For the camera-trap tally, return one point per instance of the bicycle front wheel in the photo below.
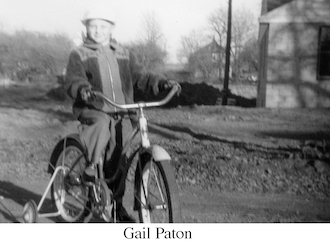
(157, 194)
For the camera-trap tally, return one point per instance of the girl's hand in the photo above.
(170, 84)
(87, 95)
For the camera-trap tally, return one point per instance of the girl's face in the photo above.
(99, 31)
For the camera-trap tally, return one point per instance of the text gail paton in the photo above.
(156, 233)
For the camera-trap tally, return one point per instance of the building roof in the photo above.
(299, 11)
(269, 5)
(272, 4)
(212, 47)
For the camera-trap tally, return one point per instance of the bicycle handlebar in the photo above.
(140, 104)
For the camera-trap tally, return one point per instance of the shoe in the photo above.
(89, 173)
(122, 215)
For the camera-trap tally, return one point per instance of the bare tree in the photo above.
(152, 31)
(250, 54)
(151, 48)
(190, 44)
(29, 53)
(218, 22)
(244, 26)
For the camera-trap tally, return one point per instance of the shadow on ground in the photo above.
(20, 196)
(298, 135)
(156, 129)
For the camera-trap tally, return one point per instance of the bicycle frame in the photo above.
(145, 147)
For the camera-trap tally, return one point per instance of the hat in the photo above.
(99, 12)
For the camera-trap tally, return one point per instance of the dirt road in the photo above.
(232, 164)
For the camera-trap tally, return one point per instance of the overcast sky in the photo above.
(176, 17)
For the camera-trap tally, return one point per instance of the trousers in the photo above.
(98, 130)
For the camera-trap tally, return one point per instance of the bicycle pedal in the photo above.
(73, 180)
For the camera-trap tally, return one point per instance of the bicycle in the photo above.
(155, 191)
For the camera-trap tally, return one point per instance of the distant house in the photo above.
(208, 61)
(294, 66)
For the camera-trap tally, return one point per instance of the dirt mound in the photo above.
(191, 94)
(196, 94)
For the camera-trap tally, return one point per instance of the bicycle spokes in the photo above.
(153, 201)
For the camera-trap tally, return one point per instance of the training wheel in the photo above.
(30, 212)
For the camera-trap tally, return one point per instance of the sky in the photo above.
(176, 18)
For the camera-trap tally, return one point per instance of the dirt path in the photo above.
(232, 164)
(197, 206)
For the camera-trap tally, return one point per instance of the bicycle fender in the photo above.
(159, 153)
(58, 149)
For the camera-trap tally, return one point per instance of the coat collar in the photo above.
(94, 46)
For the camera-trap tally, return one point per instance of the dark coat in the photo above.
(83, 71)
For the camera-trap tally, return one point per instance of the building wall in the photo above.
(291, 77)
(262, 74)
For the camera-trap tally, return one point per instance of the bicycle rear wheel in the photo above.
(157, 194)
(68, 193)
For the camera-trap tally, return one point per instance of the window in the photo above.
(215, 57)
(323, 70)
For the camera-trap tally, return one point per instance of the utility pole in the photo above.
(227, 65)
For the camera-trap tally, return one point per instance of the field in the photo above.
(232, 164)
